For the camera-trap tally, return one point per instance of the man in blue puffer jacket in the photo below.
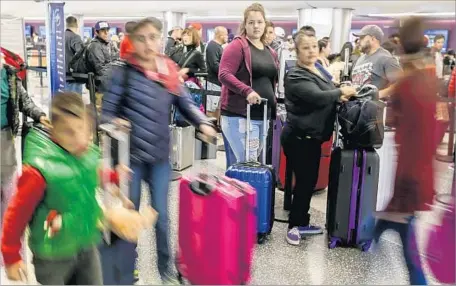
(141, 93)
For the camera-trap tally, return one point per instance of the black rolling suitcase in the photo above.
(352, 196)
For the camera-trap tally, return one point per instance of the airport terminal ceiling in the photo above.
(215, 10)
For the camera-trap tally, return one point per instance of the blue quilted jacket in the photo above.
(146, 104)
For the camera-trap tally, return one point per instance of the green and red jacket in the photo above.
(53, 179)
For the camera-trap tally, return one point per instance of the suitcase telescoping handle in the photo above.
(336, 142)
(264, 101)
(122, 135)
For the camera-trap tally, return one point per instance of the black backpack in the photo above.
(78, 63)
(361, 119)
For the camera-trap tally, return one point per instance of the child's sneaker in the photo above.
(135, 276)
(293, 236)
(310, 230)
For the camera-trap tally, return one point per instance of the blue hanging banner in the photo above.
(56, 32)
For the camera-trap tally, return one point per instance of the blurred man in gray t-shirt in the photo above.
(376, 66)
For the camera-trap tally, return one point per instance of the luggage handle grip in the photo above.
(229, 181)
(252, 164)
(265, 131)
(201, 188)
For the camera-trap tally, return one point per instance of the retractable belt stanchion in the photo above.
(91, 86)
(204, 94)
(448, 158)
(40, 62)
(23, 128)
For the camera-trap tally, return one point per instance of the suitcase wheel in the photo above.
(333, 242)
(261, 238)
(365, 246)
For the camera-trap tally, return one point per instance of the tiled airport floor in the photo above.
(311, 263)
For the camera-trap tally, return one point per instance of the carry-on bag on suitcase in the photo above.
(352, 196)
(261, 177)
(217, 230)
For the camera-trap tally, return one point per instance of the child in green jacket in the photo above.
(56, 198)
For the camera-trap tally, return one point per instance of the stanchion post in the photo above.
(40, 63)
(91, 86)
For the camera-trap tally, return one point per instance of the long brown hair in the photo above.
(255, 7)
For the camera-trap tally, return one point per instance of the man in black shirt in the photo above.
(73, 44)
(214, 52)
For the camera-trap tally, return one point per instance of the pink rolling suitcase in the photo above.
(217, 230)
(440, 250)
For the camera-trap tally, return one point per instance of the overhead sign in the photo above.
(56, 32)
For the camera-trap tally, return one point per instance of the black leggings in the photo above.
(303, 155)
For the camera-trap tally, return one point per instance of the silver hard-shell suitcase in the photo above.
(182, 147)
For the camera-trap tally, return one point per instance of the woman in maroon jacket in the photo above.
(248, 72)
(414, 106)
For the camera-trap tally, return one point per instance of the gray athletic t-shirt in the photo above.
(380, 69)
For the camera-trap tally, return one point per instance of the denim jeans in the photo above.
(230, 158)
(118, 262)
(409, 246)
(234, 130)
(156, 177)
(74, 87)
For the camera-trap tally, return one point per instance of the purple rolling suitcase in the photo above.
(278, 125)
(352, 197)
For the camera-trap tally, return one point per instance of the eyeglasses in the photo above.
(150, 37)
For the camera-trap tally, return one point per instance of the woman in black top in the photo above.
(310, 100)
(192, 59)
(264, 73)
(248, 72)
